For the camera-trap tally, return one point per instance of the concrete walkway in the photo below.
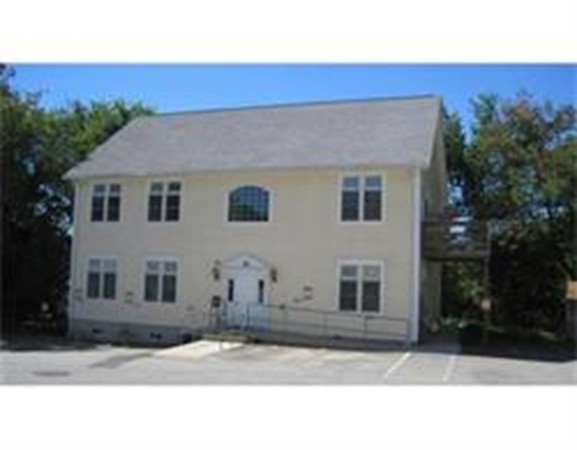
(197, 350)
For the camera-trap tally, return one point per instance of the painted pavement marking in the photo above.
(450, 368)
(397, 364)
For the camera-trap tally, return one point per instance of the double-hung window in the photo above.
(101, 278)
(160, 280)
(164, 201)
(361, 198)
(360, 287)
(105, 203)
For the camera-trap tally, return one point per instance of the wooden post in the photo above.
(486, 302)
(571, 308)
(486, 307)
(285, 319)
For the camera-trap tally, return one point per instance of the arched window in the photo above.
(248, 204)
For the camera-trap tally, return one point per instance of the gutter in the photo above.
(415, 305)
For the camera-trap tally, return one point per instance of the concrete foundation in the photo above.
(129, 333)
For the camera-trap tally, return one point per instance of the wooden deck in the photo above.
(454, 240)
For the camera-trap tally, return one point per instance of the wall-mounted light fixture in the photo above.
(307, 293)
(216, 270)
(273, 274)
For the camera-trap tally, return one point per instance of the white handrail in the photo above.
(262, 318)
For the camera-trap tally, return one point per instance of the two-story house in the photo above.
(295, 218)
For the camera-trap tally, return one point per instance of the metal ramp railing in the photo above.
(285, 320)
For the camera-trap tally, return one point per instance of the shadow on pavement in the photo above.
(448, 344)
(545, 353)
(500, 348)
(27, 342)
(517, 344)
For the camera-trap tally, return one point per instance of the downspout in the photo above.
(416, 304)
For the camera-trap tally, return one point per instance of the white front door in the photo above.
(245, 299)
(245, 291)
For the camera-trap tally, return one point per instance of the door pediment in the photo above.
(245, 261)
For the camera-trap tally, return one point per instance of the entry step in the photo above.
(227, 336)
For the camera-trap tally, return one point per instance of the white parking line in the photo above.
(450, 368)
(397, 364)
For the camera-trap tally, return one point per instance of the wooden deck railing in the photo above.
(455, 239)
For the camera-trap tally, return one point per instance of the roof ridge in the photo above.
(294, 105)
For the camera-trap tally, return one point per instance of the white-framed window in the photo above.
(230, 289)
(164, 201)
(101, 278)
(360, 286)
(160, 280)
(248, 204)
(361, 198)
(105, 203)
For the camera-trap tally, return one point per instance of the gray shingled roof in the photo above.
(333, 134)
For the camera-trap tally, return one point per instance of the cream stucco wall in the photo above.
(304, 241)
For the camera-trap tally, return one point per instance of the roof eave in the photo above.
(73, 174)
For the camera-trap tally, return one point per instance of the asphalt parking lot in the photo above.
(217, 363)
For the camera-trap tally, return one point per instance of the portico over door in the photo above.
(246, 290)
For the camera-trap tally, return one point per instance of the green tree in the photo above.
(519, 172)
(462, 281)
(38, 147)
(455, 145)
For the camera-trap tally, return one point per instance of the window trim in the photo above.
(362, 175)
(101, 282)
(249, 223)
(106, 196)
(359, 263)
(162, 260)
(165, 182)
